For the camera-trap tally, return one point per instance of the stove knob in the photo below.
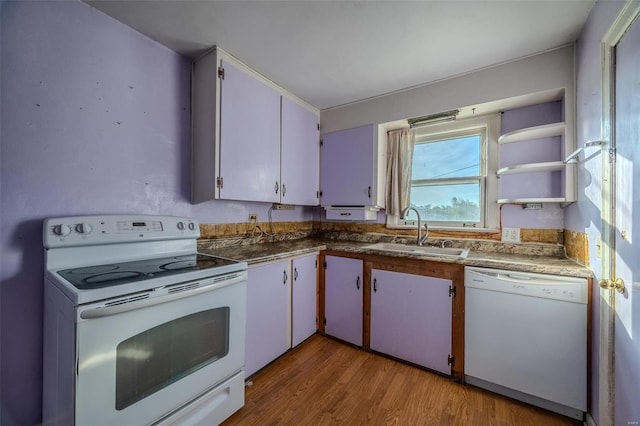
(192, 226)
(83, 228)
(181, 226)
(61, 230)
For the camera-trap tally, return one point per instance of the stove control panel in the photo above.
(112, 229)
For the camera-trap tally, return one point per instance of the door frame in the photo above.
(606, 373)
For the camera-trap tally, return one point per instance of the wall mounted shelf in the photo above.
(531, 200)
(550, 166)
(535, 170)
(559, 200)
(536, 132)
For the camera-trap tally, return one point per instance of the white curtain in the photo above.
(399, 159)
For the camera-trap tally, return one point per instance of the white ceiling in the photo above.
(331, 53)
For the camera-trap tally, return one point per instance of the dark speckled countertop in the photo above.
(540, 258)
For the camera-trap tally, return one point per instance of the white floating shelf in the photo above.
(532, 168)
(537, 132)
(531, 200)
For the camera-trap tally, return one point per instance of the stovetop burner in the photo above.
(99, 276)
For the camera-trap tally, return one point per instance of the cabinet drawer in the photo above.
(356, 213)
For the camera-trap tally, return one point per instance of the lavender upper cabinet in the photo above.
(249, 136)
(268, 314)
(343, 299)
(411, 318)
(304, 300)
(534, 143)
(351, 168)
(300, 167)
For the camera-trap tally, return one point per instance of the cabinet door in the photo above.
(249, 138)
(304, 311)
(347, 167)
(300, 157)
(268, 315)
(411, 318)
(343, 299)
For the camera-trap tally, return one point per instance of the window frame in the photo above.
(489, 127)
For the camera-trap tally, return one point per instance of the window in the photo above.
(453, 183)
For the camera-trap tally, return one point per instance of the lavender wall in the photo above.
(584, 215)
(533, 74)
(96, 119)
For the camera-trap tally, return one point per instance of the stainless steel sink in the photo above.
(421, 250)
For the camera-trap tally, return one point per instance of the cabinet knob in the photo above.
(375, 286)
(284, 277)
(277, 187)
(284, 190)
(295, 274)
(358, 283)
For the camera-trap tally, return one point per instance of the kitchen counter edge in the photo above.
(259, 253)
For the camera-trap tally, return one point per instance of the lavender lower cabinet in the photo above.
(268, 314)
(343, 299)
(303, 295)
(411, 318)
(281, 309)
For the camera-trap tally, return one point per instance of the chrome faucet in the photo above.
(443, 243)
(421, 238)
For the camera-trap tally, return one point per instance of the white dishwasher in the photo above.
(526, 337)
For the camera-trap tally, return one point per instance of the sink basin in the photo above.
(422, 250)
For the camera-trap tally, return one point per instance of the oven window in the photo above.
(153, 359)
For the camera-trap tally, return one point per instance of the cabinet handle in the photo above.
(284, 190)
(295, 274)
(284, 278)
(277, 187)
(369, 192)
(375, 288)
(358, 283)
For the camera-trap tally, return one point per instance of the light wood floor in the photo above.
(324, 382)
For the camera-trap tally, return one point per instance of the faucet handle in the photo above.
(443, 243)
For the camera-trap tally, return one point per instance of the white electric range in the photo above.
(139, 327)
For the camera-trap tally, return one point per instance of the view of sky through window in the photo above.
(446, 159)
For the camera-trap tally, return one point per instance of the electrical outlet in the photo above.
(511, 235)
(598, 247)
(278, 206)
(253, 217)
(532, 206)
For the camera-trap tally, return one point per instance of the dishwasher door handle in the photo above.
(518, 277)
(510, 276)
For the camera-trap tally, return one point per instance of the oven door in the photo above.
(143, 356)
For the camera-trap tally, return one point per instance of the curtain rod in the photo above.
(433, 118)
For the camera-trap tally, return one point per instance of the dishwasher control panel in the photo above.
(569, 289)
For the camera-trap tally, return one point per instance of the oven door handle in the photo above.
(142, 300)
